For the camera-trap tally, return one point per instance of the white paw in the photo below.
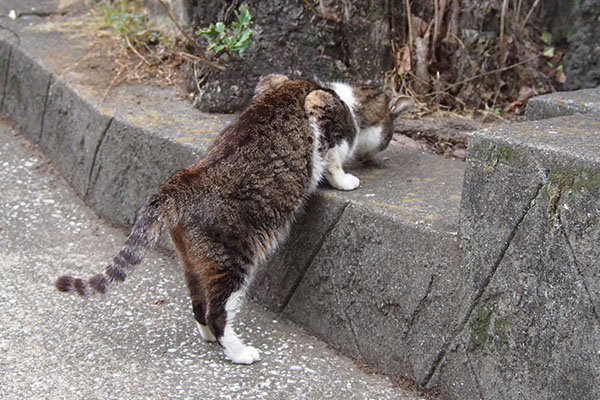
(345, 182)
(205, 333)
(243, 355)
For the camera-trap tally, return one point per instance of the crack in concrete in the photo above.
(354, 335)
(475, 377)
(96, 151)
(418, 309)
(479, 293)
(5, 80)
(563, 231)
(14, 33)
(312, 257)
(45, 108)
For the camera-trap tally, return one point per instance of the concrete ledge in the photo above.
(25, 90)
(563, 103)
(386, 249)
(486, 288)
(530, 230)
(378, 289)
(370, 271)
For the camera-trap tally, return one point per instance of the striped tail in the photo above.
(157, 214)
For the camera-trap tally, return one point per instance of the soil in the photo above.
(114, 62)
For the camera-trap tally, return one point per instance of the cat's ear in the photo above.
(269, 82)
(400, 104)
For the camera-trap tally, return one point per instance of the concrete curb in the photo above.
(116, 151)
(531, 328)
(563, 103)
(486, 289)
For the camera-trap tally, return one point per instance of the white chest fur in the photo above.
(368, 142)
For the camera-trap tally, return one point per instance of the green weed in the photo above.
(229, 40)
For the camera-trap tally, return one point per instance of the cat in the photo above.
(230, 210)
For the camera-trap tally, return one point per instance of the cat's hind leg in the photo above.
(193, 277)
(199, 306)
(226, 294)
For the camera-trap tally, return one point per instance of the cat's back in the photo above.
(261, 164)
(269, 141)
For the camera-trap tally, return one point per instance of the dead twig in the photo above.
(436, 20)
(137, 53)
(201, 55)
(114, 79)
(501, 40)
(410, 28)
(509, 67)
(323, 13)
(77, 63)
(422, 58)
(310, 6)
(528, 16)
(326, 14)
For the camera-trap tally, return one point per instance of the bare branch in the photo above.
(492, 72)
(528, 15)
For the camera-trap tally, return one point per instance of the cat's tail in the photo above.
(158, 213)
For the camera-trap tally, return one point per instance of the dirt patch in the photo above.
(108, 60)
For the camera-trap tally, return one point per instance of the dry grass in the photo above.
(446, 68)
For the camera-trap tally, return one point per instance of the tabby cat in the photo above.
(229, 210)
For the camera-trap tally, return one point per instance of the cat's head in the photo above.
(374, 110)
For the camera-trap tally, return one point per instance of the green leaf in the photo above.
(245, 36)
(548, 52)
(243, 16)
(546, 37)
(234, 38)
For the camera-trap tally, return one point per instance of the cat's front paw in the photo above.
(345, 182)
(245, 355)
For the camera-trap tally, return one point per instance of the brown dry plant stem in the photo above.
(201, 55)
(410, 27)
(509, 67)
(137, 53)
(114, 80)
(535, 4)
(502, 40)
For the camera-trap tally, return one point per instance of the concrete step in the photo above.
(529, 228)
(560, 104)
(369, 270)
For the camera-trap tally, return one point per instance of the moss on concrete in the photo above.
(501, 326)
(502, 154)
(480, 325)
(499, 153)
(564, 180)
(15, 86)
(574, 179)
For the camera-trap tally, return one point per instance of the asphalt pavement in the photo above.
(140, 340)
